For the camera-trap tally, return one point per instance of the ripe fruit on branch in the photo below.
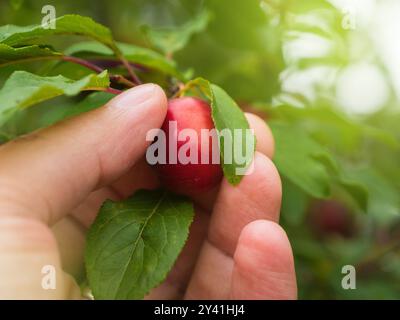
(331, 218)
(191, 146)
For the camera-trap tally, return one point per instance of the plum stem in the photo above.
(181, 90)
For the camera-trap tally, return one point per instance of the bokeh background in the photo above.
(325, 75)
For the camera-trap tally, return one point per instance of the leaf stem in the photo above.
(82, 62)
(130, 70)
(117, 78)
(31, 59)
(121, 79)
(109, 90)
(118, 53)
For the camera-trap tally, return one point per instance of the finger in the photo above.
(46, 174)
(263, 264)
(71, 242)
(212, 275)
(140, 176)
(265, 145)
(265, 140)
(258, 196)
(214, 262)
(70, 231)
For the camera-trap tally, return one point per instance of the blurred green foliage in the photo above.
(323, 154)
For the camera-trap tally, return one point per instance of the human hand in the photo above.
(53, 181)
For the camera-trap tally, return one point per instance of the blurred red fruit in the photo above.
(331, 218)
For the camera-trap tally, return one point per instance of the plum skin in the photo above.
(330, 217)
(192, 178)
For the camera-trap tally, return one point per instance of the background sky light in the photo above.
(361, 87)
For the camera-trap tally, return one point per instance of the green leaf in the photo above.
(332, 127)
(9, 54)
(69, 24)
(302, 160)
(46, 114)
(229, 118)
(227, 115)
(307, 6)
(92, 101)
(134, 54)
(199, 83)
(170, 40)
(383, 196)
(133, 244)
(24, 89)
(16, 4)
(4, 137)
(294, 203)
(311, 167)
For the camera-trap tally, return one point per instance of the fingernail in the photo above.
(133, 97)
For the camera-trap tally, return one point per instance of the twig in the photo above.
(131, 72)
(118, 53)
(31, 59)
(108, 89)
(378, 253)
(83, 62)
(114, 77)
(118, 78)
(121, 79)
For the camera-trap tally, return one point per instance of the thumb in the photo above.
(49, 172)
